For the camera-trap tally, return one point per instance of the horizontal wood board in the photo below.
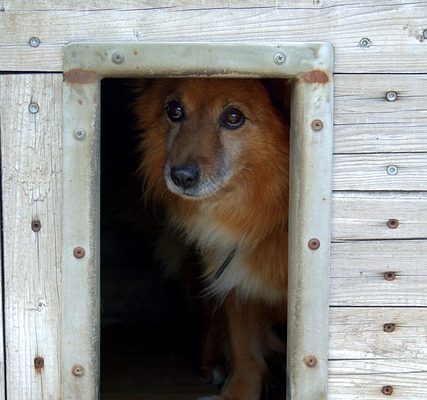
(32, 191)
(394, 28)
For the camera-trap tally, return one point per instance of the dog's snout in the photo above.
(185, 176)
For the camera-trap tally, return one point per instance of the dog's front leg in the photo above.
(246, 326)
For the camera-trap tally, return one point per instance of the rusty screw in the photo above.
(279, 58)
(34, 41)
(365, 42)
(393, 223)
(317, 125)
(387, 390)
(78, 370)
(38, 363)
(310, 361)
(36, 225)
(390, 276)
(314, 244)
(79, 252)
(389, 327)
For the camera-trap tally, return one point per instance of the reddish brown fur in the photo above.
(250, 210)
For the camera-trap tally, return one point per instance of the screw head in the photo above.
(393, 223)
(279, 58)
(317, 125)
(391, 96)
(79, 252)
(389, 327)
(36, 225)
(79, 134)
(310, 361)
(392, 170)
(365, 42)
(387, 390)
(33, 108)
(390, 276)
(38, 363)
(78, 370)
(425, 34)
(117, 58)
(314, 244)
(34, 41)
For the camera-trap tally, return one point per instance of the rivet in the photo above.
(79, 134)
(391, 96)
(78, 370)
(389, 327)
(365, 42)
(392, 170)
(117, 58)
(425, 33)
(38, 363)
(34, 41)
(279, 58)
(387, 390)
(393, 223)
(310, 361)
(314, 244)
(317, 125)
(36, 225)
(79, 252)
(33, 108)
(389, 276)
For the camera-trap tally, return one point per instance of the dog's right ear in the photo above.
(280, 94)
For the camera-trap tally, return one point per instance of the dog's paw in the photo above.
(215, 376)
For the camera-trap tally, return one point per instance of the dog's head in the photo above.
(200, 135)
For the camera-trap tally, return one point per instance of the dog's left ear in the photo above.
(280, 94)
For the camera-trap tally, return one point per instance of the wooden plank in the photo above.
(395, 29)
(2, 358)
(364, 215)
(368, 172)
(365, 122)
(31, 183)
(358, 333)
(364, 379)
(358, 268)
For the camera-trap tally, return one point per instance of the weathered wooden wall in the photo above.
(371, 134)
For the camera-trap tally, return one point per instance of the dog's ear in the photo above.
(280, 94)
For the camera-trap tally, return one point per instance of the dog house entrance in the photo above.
(309, 65)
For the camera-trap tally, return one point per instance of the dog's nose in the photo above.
(185, 176)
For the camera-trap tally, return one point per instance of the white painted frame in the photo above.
(310, 65)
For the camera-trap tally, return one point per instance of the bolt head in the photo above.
(38, 363)
(117, 58)
(310, 361)
(393, 223)
(389, 327)
(365, 42)
(314, 244)
(387, 390)
(79, 134)
(392, 170)
(317, 125)
(36, 225)
(279, 58)
(34, 41)
(79, 252)
(391, 96)
(33, 108)
(390, 276)
(78, 370)
(425, 34)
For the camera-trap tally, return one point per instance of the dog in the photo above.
(215, 156)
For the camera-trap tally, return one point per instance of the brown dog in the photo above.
(215, 156)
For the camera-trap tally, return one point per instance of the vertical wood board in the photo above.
(31, 182)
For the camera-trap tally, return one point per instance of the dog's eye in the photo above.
(233, 118)
(175, 111)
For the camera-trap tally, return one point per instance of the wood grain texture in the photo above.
(364, 215)
(31, 183)
(364, 379)
(358, 333)
(358, 268)
(394, 28)
(365, 122)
